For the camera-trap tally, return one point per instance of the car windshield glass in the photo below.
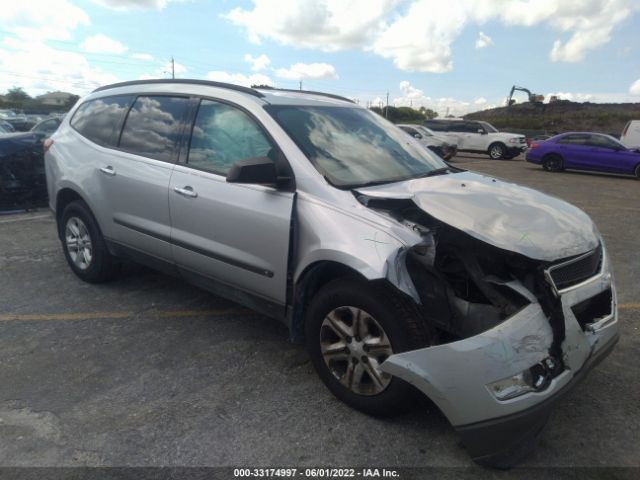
(425, 132)
(489, 128)
(353, 147)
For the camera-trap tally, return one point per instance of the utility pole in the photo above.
(173, 68)
(386, 110)
(300, 84)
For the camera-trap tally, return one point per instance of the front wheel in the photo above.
(637, 172)
(497, 151)
(352, 327)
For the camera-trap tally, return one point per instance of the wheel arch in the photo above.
(310, 281)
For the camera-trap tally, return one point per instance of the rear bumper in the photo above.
(499, 438)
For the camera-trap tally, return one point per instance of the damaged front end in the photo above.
(513, 331)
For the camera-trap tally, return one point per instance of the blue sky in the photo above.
(461, 55)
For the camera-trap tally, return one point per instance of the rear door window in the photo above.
(223, 134)
(154, 125)
(574, 139)
(99, 119)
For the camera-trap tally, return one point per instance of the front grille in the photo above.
(576, 270)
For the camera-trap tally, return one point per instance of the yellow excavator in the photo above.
(533, 97)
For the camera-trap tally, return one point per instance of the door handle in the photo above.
(109, 170)
(185, 191)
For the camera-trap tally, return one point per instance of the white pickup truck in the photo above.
(479, 137)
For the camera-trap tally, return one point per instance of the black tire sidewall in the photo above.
(101, 266)
(551, 157)
(359, 294)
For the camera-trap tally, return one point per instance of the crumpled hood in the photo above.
(500, 213)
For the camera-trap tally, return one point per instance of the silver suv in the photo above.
(401, 273)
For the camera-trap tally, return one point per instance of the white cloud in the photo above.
(240, 79)
(573, 97)
(100, 43)
(480, 101)
(634, 89)
(417, 36)
(326, 24)
(22, 64)
(178, 68)
(308, 71)
(41, 19)
(142, 56)
(414, 97)
(134, 4)
(257, 63)
(483, 40)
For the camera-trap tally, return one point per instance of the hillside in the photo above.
(561, 116)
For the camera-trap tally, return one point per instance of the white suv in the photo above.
(479, 137)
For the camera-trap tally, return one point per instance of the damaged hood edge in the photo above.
(503, 214)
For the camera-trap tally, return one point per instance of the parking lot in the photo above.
(151, 371)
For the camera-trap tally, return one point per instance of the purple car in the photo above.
(585, 151)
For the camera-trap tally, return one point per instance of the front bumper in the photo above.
(516, 150)
(455, 376)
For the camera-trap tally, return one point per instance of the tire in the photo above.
(497, 151)
(90, 261)
(637, 172)
(387, 319)
(552, 163)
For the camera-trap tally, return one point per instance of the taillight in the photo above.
(46, 145)
(626, 127)
(534, 145)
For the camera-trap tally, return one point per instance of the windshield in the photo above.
(353, 147)
(424, 131)
(489, 128)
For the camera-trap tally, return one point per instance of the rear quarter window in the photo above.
(99, 119)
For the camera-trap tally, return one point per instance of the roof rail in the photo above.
(208, 83)
(310, 92)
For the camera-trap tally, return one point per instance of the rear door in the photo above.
(574, 150)
(236, 235)
(135, 176)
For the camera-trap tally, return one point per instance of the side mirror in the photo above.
(417, 135)
(482, 131)
(258, 170)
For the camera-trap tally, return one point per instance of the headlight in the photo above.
(514, 140)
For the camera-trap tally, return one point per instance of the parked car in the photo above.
(17, 120)
(479, 137)
(22, 176)
(6, 127)
(426, 137)
(631, 134)
(396, 269)
(45, 128)
(585, 151)
(537, 139)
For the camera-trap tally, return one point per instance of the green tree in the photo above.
(17, 94)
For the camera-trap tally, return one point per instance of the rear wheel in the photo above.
(637, 172)
(83, 245)
(352, 327)
(552, 163)
(497, 151)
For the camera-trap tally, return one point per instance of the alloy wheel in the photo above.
(353, 345)
(78, 243)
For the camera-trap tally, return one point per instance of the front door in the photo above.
(237, 235)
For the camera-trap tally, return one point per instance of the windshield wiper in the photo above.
(437, 171)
